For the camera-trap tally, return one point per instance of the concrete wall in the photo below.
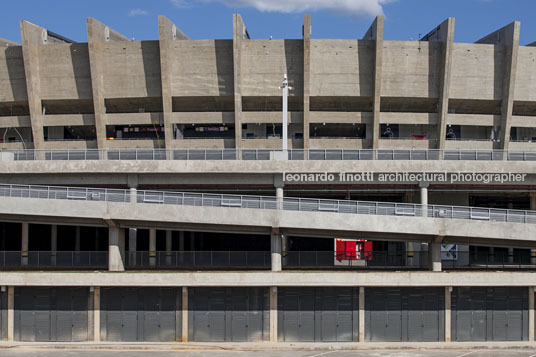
(525, 89)
(12, 77)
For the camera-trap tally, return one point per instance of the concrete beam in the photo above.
(507, 36)
(375, 33)
(306, 78)
(268, 279)
(444, 33)
(239, 34)
(98, 34)
(167, 33)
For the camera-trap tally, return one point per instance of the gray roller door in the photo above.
(228, 314)
(489, 314)
(140, 314)
(404, 314)
(318, 314)
(51, 314)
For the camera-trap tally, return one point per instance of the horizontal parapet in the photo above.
(265, 62)
(339, 143)
(69, 119)
(202, 118)
(468, 145)
(69, 145)
(134, 144)
(473, 119)
(477, 71)
(271, 143)
(12, 75)
(341, 117)
(64, 71)
(203, 143)
(408, 118)
(524, 121)
(525, 88)
(134, 118)
(130, 69)
(271, 117)
(202, 68)
(411, 69)
(406, 144)
(342, 67)
(20, 121)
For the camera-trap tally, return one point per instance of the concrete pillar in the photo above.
(181, 248)
(434, 256)
(239, 34)
(77, 244)
(510, 255)
(448, 314)
(167, 34)
(361, 314)
(423, 188)
(375, 33)
(24, 244)
(169, 253)
(116, 249)
(531, 313)
(97, 36)
(152, 247)
(279, 194)
(96, 314)
(132, 246)
(10, 313)
(276, 242)
(192, 241)
(533, 208)
(133, 194)
(184, 314)
(306, 78)
(273, 314)
(491, 257)
(53, 243)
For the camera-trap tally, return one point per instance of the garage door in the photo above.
(318, 314)
(228, 314)
(51, 314)
(404, 314)
(489, 314)
(140, 314)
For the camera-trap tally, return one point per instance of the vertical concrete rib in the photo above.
(444, 33)
(306, 77)
(361, 314)
(96, 314)
(10, 313)
(97, 36)
(32, 36)
(167, 33)
(184, 314)
(375, 33)
(507, 36)
(239, 33)
(273, 314)
(448, 314)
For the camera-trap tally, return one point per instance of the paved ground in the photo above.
(19, 352)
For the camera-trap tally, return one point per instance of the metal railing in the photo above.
(54, 260)
(269, 202)
(198, 260)
(266, 154)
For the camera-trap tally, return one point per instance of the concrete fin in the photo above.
(441, 32)
(167, 30)
(99, 32)
(503, 36)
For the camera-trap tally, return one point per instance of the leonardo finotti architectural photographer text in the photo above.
(405, 177)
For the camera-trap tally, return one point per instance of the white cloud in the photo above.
(351, 7)
(180, 3)
(138, 12)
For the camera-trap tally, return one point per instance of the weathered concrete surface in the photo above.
(261, 221)
(268, 278)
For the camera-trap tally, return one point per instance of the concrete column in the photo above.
(423, 188)
(448, 313)
(375, 33)
(491, 257)
(273, 314)
(167, 33)
(239, 34)
(507, 36)
(276, 242)
(361, 314)
(10, 313)
(533, 208)
(184, 314)
(96, 314)
(192, 241)
(53, 243)
(181, 247)
(279, 197)
(116, 249)
(152, 247)
(444, 34)
(133, 194)
(510, 258)
(434, 256)
(77, 244)
(132, 246)
(169, 253)
(306, 78)
(531, 313)
(98, 34)
(24, 244)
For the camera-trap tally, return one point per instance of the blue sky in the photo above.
(204, 19)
